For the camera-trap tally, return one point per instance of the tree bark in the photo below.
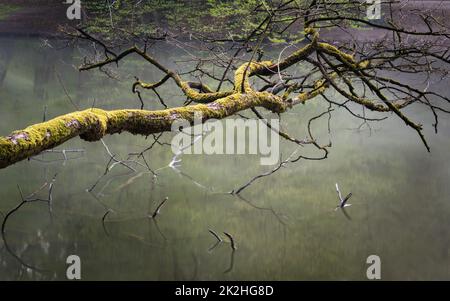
(93, 124)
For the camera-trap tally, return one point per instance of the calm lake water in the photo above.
(285, 227)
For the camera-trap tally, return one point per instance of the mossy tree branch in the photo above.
(335, 67)
(93, 124)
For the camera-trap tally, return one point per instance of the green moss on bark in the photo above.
(93, 124)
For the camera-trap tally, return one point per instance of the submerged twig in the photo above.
(25, 200)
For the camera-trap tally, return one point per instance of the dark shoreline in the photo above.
(42, 18)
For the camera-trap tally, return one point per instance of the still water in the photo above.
(285, 226)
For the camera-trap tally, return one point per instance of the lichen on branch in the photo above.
(93, 124)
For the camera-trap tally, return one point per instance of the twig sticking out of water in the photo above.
(233, 245)
(158, 209)
(215, 235)
(342, 201)
(104, 219)
(268, 173)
